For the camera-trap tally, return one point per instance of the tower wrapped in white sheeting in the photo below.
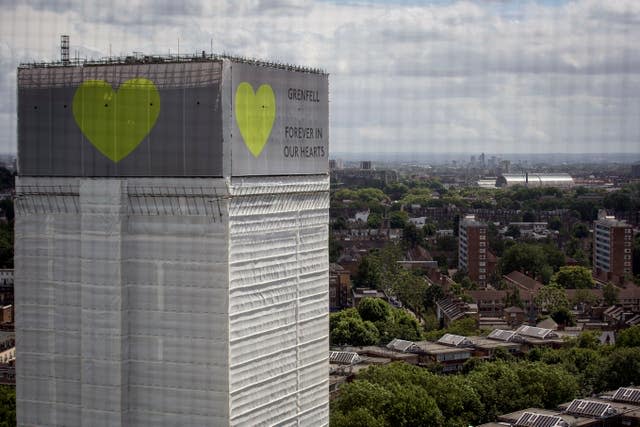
(173, 286)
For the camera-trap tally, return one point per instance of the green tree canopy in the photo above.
(398, 219)
(574, 277)
(347, 327)
(374, 309)
(629, 337)
(552, 298)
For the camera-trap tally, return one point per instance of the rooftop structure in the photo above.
(535, 332)
(590, 408)
(400, 345)
(533, 179)
(455, 340)
(502, 335)
(171, 243)
(344, 357)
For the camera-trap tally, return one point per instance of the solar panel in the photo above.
(535, 332)
(400, 345)
(454, 340)
(501, 335)
(529, 419)
(590, 408)
(344, 357)
(626, 394)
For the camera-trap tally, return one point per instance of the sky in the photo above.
(405, 76)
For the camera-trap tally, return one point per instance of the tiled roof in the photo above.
(523, 280)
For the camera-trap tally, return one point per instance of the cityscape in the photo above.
(320, 213)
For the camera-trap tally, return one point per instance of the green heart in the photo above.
(116, 123)
(255, 113)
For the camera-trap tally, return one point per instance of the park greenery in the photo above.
(400, 394)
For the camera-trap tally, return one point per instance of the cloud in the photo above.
(447, 76)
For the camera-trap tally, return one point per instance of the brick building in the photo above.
(612, 248)
(473, 248)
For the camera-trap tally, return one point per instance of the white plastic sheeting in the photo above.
(278, 301)
(164, 302)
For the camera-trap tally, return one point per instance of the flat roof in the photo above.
(139, 58)
(430, 347)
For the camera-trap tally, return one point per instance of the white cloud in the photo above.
(466, 76)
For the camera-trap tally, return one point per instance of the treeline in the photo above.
(399, 394)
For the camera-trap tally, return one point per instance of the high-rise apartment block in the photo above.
(612, 248)
(473, 248)
(171, 244)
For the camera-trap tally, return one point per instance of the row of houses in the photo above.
(450, 352)
(620, 407)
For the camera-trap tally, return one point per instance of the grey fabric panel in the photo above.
(285, 153)
(186, 139)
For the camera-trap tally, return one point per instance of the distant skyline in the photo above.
(405, 76)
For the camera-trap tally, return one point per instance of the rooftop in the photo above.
(139, 59)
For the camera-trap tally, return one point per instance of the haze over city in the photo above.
(405, 77)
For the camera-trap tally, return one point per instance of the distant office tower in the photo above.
(472, 249)
(171, 244)
(612, 248)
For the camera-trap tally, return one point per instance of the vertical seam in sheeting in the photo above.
(298, 224)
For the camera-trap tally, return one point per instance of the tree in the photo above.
(610, 294)
(622, 367)
(412, 236)
(629, 337)
(410, 289)
(374, 220)
(396, 190)
(446, 243)
(7, 406)
(359, 417)
(429, 229)
(583, 297)
(433, 293)
(369, 271)
(563, 316)
(398, 219)
(523, 257)
(574, 277)
(6, 245)
(335, 248)
(347, 327)
(353, 331)
(551, 298)
(513, 231)
(374, 309)
(555, 223)
(580, 231)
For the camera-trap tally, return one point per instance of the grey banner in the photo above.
(61, 132)
(280, 121)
